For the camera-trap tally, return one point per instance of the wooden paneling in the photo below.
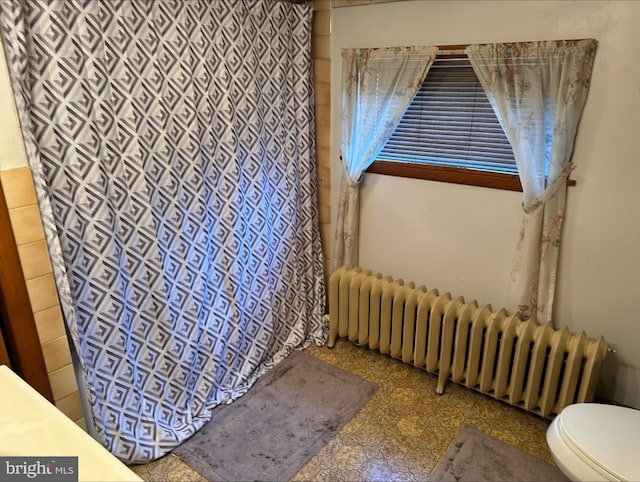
(16, 317)
(4, 356)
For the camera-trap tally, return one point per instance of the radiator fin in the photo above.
(531, 366)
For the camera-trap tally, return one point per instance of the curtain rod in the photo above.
(343, 3)
(456, 52)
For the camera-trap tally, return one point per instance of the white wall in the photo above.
(12, 153)
(461, 239)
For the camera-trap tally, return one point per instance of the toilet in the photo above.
(592, 441)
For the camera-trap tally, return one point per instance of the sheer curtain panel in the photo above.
(172, 148)
(377, 87)
(538, 91)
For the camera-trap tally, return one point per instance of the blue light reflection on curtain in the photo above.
(172, 148)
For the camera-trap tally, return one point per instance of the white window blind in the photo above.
(451, 123)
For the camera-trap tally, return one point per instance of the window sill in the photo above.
(455, 175)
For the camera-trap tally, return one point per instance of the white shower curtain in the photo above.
(172, 147)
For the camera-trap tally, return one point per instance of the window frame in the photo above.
(453, 175)
(450, 174)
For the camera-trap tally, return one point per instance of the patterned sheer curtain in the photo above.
(172, 148)
(377, 87)
(538, 90)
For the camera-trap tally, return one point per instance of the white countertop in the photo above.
(30, 426)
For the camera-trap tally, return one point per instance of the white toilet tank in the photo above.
(591, 441)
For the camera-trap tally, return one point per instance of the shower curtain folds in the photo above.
(172, 148)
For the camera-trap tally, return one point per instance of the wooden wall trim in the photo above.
(455, 175)
(16, 317)
(4, 355)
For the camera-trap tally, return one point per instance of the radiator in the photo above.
(535, 367)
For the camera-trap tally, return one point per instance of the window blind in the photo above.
(450, 122)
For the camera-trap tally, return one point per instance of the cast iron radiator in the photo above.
(535, 367)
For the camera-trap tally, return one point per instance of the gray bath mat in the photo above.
(279, 424)
(476, 456)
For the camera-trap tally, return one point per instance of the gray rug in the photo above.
(476, 456)
(279, 424)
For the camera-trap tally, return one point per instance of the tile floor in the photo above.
(401, 433)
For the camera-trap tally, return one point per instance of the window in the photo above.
(450, 132)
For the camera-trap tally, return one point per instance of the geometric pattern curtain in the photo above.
(538, 91)
(172, 147)
(378, 85)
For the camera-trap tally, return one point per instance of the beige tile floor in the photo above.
(402, 432)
